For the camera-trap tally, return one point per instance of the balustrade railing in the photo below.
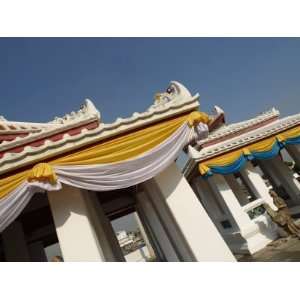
(255, 208)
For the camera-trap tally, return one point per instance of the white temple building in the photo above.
(234, 198)
(65, 181)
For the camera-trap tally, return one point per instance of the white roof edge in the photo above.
(195, 155)
(247, 138)
(156, 113)
(235, 127)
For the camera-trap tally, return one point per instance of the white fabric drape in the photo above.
(12, 205)
(102, 177)
(121, 175)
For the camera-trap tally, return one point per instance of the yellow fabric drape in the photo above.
(203, 169)
(132, 145)
(262, 146)
(289, 134)
(220, 161)
(229, 158)
(116, 150)
(42, 172)
(196, 117)
(9, 183)
(124, 147)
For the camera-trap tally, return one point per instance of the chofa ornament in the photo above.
(87, 110)
(175, 93)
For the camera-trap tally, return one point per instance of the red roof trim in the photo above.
(53, 138)
(239, 132)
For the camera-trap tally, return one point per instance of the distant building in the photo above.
(124, 239)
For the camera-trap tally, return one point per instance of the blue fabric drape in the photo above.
(268, 154)
(240, 162)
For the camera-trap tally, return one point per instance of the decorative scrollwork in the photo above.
(86, 110)
(175, 92)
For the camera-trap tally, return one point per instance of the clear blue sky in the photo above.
(44, 78)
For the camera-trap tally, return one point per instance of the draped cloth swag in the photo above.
(233, 161)
(118, 163)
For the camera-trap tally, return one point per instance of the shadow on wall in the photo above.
(174, 173)
(66, 200)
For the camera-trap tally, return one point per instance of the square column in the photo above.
(154, 242)
(14, 243)
(240, 217)
(277, 168)
(176, 238)
(214, 206)
(76, 234)
(294, 152)
(257, 184)
(164, 245)
(144, 235)
(237, 189)
(104, 231)
(270, 174)
(257, 232)
(202, 237)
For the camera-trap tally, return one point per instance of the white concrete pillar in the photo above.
(237, 189)
(154, 241)
(104, 231)
(270, 174)
(240, 217)
(294, 152)
(37, 252)
(257, 232)
(254, 180)
(278, 169)
(213, 204)
(14, 243)
(201, 235)
(164, 243)
(76, 234)
(288, 175)
(144, 235)
(244, 234)
(203, 190)
(172, 229)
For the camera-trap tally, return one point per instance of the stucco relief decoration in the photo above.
(87, 110)
(175, 93)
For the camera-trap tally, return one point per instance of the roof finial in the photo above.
(87, 110)
(175, 93)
